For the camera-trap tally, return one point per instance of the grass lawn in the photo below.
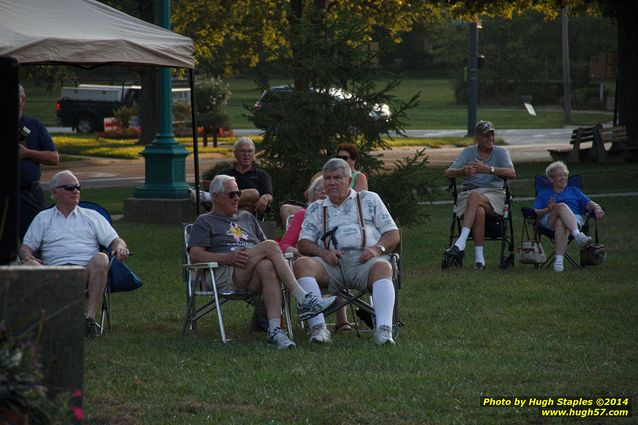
(437, 109)
(520, 332)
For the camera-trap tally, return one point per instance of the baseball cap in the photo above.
(484, 127)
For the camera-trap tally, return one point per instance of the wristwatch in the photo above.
(381, 248)
(492, 170)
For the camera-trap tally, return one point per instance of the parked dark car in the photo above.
(267, 104)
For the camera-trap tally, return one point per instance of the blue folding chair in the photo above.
(541, 183)
(105, 312)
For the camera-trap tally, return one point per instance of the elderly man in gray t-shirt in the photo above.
(483, 167)
(233, 239)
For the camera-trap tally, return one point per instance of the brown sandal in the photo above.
(344, 327)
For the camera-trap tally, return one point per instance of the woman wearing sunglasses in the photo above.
(349, 153)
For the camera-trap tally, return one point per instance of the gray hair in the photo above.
(549, 171)
(243, 141)
(335, 164)
(312, 189)
(54, 180)
(217, 185)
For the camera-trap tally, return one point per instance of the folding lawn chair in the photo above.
(542, 183)
(363, 309)
(197, 286)
(497, 228)
(124, 274)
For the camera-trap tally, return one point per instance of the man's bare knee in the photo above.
(100, 261)
(380, 270)
(305, 266)
(266, 269)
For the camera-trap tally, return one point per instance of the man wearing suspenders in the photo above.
(346, 238)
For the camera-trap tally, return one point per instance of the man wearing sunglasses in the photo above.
(483, 166)
(36, 147)
(67, 234)
(233, 239)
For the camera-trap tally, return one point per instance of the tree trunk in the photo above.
(626, 18)
(215, 133)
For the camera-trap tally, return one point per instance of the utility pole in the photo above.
(567, 85)
(472, 78)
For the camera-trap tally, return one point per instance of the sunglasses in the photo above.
(234, 194)
(69, 187)
(345, 158)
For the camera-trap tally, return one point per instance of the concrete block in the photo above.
(56, 295)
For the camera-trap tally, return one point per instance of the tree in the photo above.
(625, 12)
(333, 100)
(211, 96)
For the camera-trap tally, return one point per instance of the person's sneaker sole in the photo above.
(310, 314)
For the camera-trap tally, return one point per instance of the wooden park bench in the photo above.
(578, 153)
(618, 148)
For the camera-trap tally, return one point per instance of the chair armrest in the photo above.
(200, 266)
(528, 212)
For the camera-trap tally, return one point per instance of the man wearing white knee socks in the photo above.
(354, 254)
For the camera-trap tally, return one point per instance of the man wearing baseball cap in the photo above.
(483, 167)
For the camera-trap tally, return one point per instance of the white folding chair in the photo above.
(196, 278)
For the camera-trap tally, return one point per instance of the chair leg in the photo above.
(105, 314)
(286, 311)
(220, 319)
(190, 309)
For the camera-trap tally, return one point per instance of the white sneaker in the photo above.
(383, 335)
(313, 305)
(320, 334)
(583, 241)
(279, 337)
(558, 267)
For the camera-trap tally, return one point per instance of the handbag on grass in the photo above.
(531, 250)
(593, 255)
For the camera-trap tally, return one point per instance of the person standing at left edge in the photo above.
(36, 147)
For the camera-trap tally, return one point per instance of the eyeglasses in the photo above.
(320, 189)
(344, 157)
(250, 152)
(234, 194)
(69, 187)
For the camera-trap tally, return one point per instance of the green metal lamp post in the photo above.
(165, 158)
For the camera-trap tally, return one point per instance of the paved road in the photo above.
(511, 137)
(524, 146)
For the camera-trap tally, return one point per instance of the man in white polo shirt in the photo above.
(68, 234)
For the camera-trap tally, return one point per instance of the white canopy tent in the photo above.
(86, 33)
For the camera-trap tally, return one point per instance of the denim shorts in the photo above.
(545, 219)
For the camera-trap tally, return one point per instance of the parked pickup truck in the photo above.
(84, 107)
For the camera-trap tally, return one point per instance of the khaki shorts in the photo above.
(223, 278)
(354, 272)
(495, 196)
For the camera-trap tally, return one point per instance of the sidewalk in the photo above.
(130, 172)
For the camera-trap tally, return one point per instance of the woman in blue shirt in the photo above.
(562, 209)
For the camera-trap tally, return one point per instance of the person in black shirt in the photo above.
(255, 184)
(36, 148)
